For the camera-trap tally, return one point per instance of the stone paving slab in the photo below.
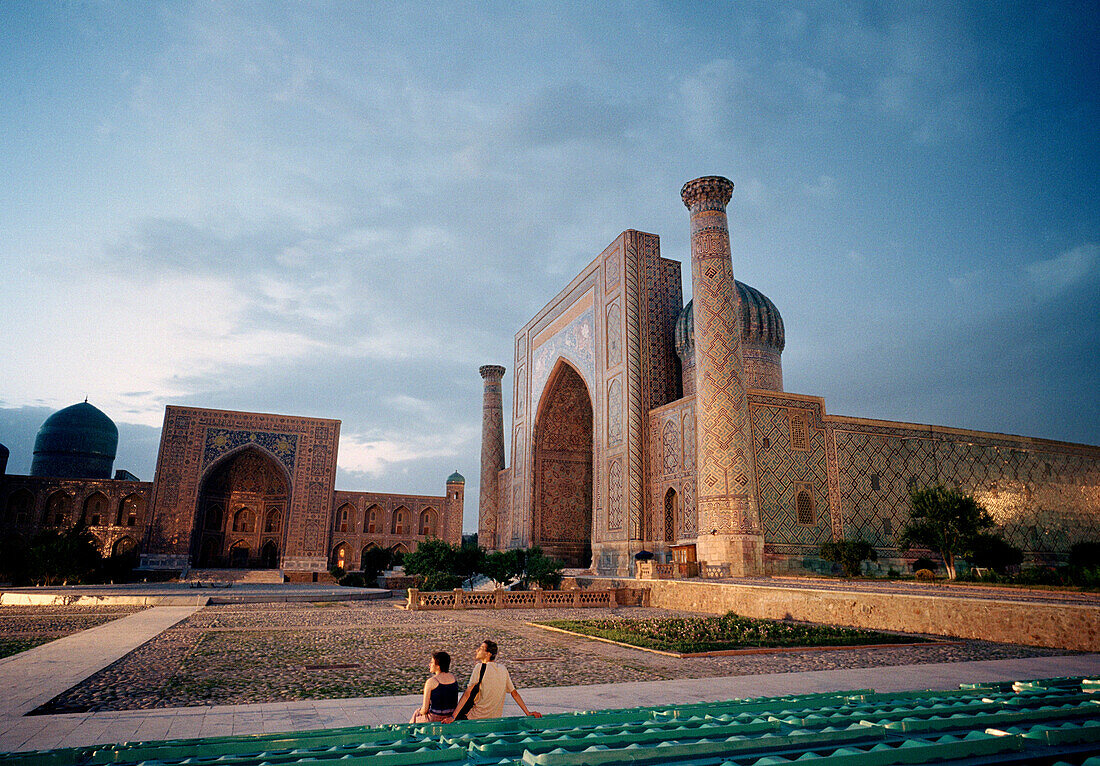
(82, 729)
(30, 678)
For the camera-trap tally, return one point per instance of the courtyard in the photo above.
(272, 652)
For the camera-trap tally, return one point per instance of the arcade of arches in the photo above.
(243, 503)
(562, 518)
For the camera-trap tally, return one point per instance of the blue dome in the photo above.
(761, 324)
(78, 442)
(456, 478)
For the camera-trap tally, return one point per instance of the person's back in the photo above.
(489, 702)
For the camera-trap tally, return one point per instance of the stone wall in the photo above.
(1068, 626)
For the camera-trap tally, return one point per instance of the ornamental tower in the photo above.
(492, 455)
(729, 519)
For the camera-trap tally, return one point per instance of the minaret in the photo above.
(729, 526)
(492, 455)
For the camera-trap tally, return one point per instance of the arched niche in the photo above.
(561, 520)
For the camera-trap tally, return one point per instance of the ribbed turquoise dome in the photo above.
(78, 442)
(456, 478)
(761, 324)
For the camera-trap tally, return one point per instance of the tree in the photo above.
(946, 521)
(542, 569)
(375, 561)
(850, 554)
(503, 566)
(431, 557)
(63, 557)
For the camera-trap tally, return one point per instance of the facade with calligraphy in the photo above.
(641, 424)
(231, 489)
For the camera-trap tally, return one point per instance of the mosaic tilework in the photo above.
(672, 467)
(575, 342)
(726, 497)
(614, 413)
(492, 451)
(781, 471)
(614, 335)
(221, 441)
(1044, 496)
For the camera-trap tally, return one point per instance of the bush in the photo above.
(850, 554)
(1039, 576)
(994, 552)
(925, 574)
(542, 569)
(337, 572)
(1085, 554)
(354, 580)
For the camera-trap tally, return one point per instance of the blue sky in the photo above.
(343, 209)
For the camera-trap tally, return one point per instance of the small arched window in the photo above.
(804, 504)
(343, 517)
(131, 508)
(242, 520)
(370, 523)
(271, 520)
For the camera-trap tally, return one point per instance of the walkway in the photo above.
(79, 729)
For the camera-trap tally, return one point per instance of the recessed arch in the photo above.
(672, 516)
(563, 464)
(372, 520)
(58, 507)
(339, 556)
(20, 506)
(242, 502)
(345, 518)
(130, 510)
(269, 555)
(124, 546)
(399, 522)
(429, 523)
(95, 510)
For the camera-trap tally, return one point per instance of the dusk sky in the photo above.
(341, 210)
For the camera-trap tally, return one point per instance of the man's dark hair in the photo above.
(443, 660)
(491, 648)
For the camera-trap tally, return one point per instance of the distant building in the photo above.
(642, 424)
(232, 489)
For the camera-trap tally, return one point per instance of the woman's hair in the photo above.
(443, 660)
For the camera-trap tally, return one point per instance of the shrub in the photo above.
(1039, 576)
(1085, 554)
(925, 575)
(850, 554)
(542, 569)
(354, 580)
(337, 572)
(375, 561)
(994, 552)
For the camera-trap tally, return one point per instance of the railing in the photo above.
(714, 571)
(652, 570)
(507, 599)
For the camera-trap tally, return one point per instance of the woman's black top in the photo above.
(443, 699)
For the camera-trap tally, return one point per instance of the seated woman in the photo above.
(440, 691)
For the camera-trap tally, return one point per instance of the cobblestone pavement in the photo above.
(24, 627)
(967, 590)
(275, 652)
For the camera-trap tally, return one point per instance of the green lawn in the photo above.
(708, 634)
(10, 646)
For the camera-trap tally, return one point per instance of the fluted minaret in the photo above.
(729, 526)
(492, 455)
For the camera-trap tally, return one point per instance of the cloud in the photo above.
(374, 455)
(1056, 275)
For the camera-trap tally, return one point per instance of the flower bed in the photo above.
(731, 631)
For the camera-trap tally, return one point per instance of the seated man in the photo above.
(495, 682)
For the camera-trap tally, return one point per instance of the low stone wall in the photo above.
(1064, 626)
(507, 599)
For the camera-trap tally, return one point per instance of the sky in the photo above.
(341, 210)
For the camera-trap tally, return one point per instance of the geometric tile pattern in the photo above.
(1043, 496)
(219, 441)
(726, 492)
(781, 471)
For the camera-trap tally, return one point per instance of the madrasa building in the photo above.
(639, 423)
(232, 489)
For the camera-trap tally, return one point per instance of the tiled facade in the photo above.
(809, 476)
(236, 489)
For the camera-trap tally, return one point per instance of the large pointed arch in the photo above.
(563, 463)
(239, 498)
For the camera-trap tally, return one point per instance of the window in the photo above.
(888, 527)
(371, 522)
(242, 520)
(804, 503)
(57, 509)
(765, 443)
(799, 441)
(671, 503)
(133, 506)
(344, 515)
(874, 482)
(20, 505)
(271, 521)
(95, 508)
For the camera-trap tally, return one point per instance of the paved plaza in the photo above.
(187, 671)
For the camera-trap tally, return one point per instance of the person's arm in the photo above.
(427, 703)
(519, 701)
